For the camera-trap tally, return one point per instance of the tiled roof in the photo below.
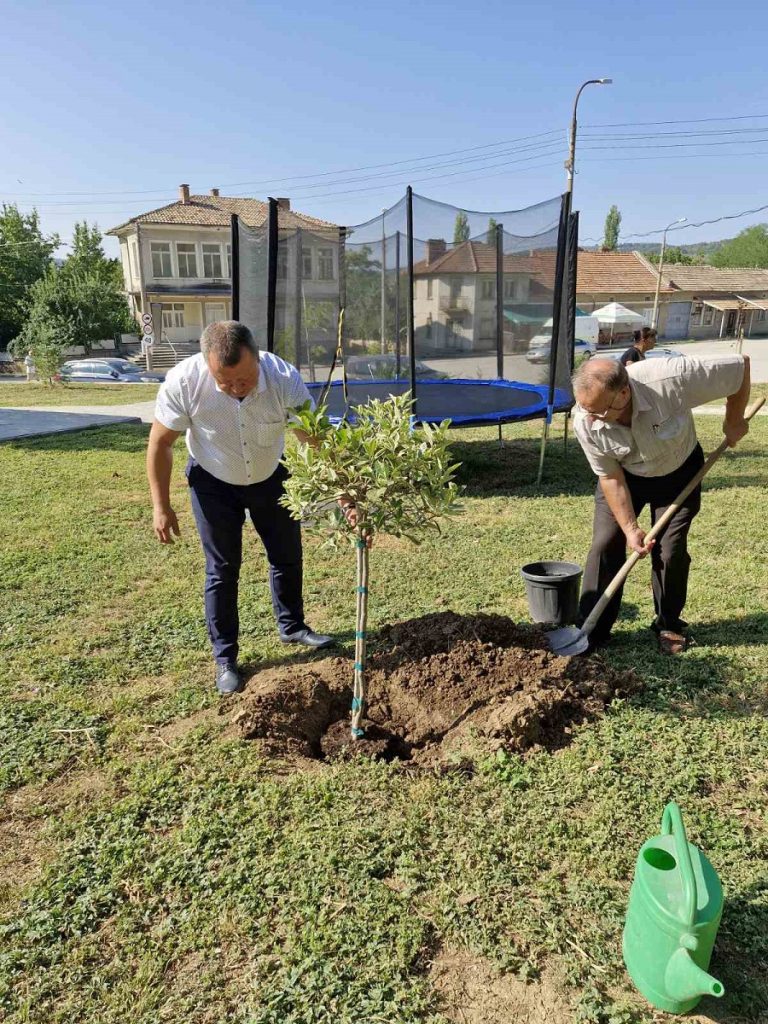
(480, 258)
(215, 211)
(609, 273)
(721, 279)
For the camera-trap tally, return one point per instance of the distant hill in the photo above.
(702, 249)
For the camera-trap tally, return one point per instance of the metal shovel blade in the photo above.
(568, 641)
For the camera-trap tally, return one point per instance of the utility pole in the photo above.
(655, 316)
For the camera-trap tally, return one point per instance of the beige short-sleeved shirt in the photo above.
(662, 434)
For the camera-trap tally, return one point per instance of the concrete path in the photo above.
(16, 424)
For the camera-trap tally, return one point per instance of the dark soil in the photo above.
(444, 685)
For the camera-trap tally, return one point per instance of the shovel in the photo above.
(575, 639)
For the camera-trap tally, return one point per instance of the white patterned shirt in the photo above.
(237, 442)
(662, 434)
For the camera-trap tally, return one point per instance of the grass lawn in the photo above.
(153, 869)
(25, 395)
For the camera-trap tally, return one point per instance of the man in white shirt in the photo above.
(636, 428)
(233, 403)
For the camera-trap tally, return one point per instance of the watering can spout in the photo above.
(685, 980)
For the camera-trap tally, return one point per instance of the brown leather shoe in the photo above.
(672, 643)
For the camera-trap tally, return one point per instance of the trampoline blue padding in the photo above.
(466, 403)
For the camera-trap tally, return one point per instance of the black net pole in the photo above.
(557, 312)
(500, 306)
(234, 268)
(500, 300)
(571, 273)
(342, 288)
(397, 305)
(297, 312)
(411, 331)
(272, 239)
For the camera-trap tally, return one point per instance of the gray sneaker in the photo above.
(228, 679)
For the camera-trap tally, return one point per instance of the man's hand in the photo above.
(636, 541)
(165, 525)
(734, 431)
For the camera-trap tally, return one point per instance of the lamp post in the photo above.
(655, 317)
(569, 163)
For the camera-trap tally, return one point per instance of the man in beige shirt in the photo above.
(636, 428)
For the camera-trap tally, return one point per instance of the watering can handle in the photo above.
(672, 823)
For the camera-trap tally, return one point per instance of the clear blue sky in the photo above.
(106, 98)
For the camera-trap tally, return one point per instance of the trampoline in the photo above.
(453, 301)
(466, 403)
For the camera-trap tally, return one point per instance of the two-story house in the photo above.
(180, 256)
(455, 295)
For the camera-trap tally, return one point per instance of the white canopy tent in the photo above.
(618, 319)
(615, 313)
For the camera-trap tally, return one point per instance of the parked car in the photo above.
(384, 367)
(655, 353)
(107, 371)
(539, 353)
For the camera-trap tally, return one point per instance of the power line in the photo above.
(696, 224)
(302, 177)
(690, 120)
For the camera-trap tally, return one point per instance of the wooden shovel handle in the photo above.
(661, 522)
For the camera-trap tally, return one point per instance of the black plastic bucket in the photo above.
(553, 591)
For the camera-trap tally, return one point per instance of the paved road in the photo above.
(17, 424)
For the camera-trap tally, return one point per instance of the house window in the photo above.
(429, 325)
(429, 287)
(455, 289)
(306, 264)
(760, 314)
(696, 311)
(173, 314)
(707, 316)
(229, 260)
(487, 289)
(161, 259)
(186, 254)
(325, 264)
(509, 289)
(211, 260)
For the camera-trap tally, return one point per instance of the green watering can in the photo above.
(675, 905)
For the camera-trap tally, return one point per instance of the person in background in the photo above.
(29, 366)
(233, 403)
(644, 341)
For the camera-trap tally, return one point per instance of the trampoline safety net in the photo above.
(461, 307)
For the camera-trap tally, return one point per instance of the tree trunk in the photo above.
(359, 693)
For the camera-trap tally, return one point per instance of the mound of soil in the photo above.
(438, 686)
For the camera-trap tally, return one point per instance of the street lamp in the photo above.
(569, 163)
(655, 317)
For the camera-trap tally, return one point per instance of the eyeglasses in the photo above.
(611, 408)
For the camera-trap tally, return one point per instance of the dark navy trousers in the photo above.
(219, 510)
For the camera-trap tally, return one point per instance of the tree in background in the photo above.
(491, 236)
(363, 294)
(68, 307)
(87, 257)
(611, 232)
(748, 249)
(25, 256)
(674, 254)
(461, 228)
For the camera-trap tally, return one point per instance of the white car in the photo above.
(655, 353)
(540, 345)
